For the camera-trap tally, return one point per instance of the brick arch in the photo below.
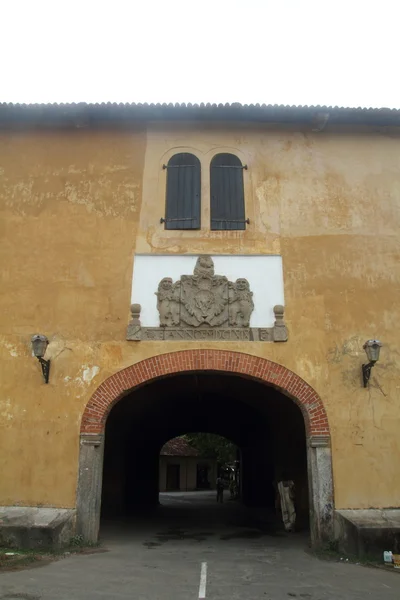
(261, 369)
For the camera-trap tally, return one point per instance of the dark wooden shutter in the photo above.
(183, 192)
(227, 192)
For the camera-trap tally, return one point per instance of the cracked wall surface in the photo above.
(77, 204)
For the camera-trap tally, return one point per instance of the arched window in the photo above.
(227, 192)
(182, 210)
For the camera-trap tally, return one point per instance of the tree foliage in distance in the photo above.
(210, 445)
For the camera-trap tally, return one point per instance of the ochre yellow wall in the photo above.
(76, 205)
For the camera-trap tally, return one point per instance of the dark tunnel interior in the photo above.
(267, 427)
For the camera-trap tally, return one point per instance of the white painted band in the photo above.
(203, 581)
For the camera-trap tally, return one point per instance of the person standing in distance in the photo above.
(220, 489)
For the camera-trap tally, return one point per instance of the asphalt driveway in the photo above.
(192, 548)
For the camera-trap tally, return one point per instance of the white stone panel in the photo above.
(264, 274)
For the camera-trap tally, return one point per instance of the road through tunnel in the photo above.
(263, 423)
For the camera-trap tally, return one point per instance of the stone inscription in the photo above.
(207, 334)
(198, 334)
(250, 334)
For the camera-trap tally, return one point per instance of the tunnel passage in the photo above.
(266, 425)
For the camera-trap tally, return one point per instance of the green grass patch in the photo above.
(19, 558)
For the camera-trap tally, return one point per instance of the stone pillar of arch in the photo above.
(267, 372)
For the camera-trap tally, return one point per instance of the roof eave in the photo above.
(92, 115)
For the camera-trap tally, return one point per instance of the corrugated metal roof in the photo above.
(84, 114)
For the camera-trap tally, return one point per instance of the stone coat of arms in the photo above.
(204, 299)
(205, 307)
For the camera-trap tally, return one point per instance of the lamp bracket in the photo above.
(45, 364)
(366, 372)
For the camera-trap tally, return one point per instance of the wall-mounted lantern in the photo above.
(372, 349)
(39, 345)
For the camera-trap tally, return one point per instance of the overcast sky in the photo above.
(285, 52)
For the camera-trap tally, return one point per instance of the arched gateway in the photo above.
(191, 361)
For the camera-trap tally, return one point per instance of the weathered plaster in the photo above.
(72, 219)
(260, 237)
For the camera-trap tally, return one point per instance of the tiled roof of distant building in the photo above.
(178, 447)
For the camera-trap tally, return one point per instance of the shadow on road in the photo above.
(194, 516)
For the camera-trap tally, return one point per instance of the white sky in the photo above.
(286, 51)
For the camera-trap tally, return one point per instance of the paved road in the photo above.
(159, 557)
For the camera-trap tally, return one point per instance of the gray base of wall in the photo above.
(33, 528)
(367, 533)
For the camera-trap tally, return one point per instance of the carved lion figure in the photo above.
(168, 295)
(241, 303)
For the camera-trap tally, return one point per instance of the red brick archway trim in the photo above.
(281, 378)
